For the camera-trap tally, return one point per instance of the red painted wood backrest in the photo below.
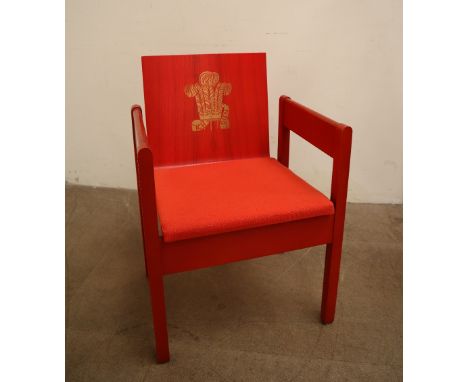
(208, 107)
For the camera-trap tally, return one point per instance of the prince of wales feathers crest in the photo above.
(209, 93)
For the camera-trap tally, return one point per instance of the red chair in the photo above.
(204, 171)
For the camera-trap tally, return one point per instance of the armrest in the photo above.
(140, 138)
(145, 181)
(320, 131)
(143, 154)
(331, 137)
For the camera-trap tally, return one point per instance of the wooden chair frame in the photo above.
(162, 258)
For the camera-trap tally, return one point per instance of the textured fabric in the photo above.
(219, 197)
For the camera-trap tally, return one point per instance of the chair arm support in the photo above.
(143, 155)
(145, 182)
(318, 130)
(140, 138)
(331, 137)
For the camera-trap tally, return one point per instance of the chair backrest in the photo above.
(207, 107)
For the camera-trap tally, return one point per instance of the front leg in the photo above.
(330, 282)
(159, 315)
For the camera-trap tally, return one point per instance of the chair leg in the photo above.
(330, 282)
(159, 317)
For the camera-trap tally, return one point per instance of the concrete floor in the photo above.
(256, 320)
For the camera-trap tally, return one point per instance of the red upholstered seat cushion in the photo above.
(213, 198)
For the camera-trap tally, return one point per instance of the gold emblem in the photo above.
(209, 93)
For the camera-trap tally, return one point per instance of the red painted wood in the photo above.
(173, 143)
(320, 131)
(137, 127)
(339, 191)
(151, 240)
(185, 255)
(170, 112)
(334, 139)
(283, 135)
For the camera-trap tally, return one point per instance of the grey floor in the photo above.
(256, 320)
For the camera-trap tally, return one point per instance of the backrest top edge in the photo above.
(201, 54)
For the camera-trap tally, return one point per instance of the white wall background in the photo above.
(343, 58)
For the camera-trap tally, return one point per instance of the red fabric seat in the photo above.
(219, 197)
